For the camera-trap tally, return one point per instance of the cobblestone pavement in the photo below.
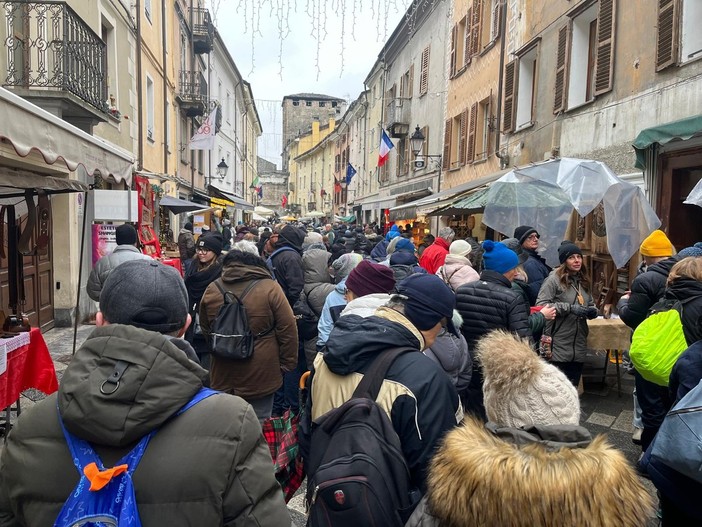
(604, 409)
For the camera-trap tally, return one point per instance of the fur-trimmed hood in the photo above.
(477, 478)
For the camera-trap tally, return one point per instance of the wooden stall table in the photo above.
(613, 336)
(28, 364)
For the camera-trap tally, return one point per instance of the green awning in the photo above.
(682, 129)
(472, 202)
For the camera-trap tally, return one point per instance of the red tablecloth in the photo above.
(28, 367)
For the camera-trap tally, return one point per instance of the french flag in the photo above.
(384, 150)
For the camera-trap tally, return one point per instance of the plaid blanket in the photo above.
(281, 435)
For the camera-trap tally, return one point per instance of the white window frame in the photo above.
(580, 46)
(526, 89)
(690, 34)
(147, 10)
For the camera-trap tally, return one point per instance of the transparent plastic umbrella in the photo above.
(543, 196)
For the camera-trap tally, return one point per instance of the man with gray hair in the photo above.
(434, 256)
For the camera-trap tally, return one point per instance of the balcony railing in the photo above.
(50, 47)
(397, 118)
(192, 93)
(203, 30)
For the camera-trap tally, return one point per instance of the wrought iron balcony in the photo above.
(397, 117)
(192, 93)
(53, 56)
(203, 30)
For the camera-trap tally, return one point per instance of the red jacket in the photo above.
(434, 256)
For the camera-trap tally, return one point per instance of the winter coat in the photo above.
(646, 289)
(536, 320)
(208, 466)
(681, 490)
(537, 271)
(451, 353)
(544, 475)
(186, 244)
(318, 283)
(689, 291)
(349, 242)
(105, 265)
(417, 395)
(434, 256)
(365, 306)
(337, 249)
(266, 309)
(568, 332)
(380, 251)
(227, 238)
(326, 321)
(490, 303)
(289, 272)
(456, 271)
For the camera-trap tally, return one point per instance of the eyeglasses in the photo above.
(202, 250)
(533, 236)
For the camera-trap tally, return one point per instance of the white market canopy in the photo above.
(263, 211)
(544, 195)
(27, 127)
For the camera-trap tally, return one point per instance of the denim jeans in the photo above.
(287, 395)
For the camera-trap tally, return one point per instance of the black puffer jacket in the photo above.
(491, 303)
(646, 289)
(537, 271)
(689, 291)
(288, 271)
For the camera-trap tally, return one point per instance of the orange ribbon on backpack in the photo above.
(99, 478)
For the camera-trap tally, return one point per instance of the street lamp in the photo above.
(417, 144)
(222, 168)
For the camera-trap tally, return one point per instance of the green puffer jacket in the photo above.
(209, 466)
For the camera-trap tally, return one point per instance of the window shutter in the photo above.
(475, 29)
(561, 69)
(463, 138)
(446, 160)
(604, 68)
(466, 37)
(470, 147)
(667, 36)
(424, 73)
(496, 10)
(509, 116)
(454, 33)
(410, 88)
(425, 146)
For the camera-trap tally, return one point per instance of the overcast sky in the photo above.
(259, 59)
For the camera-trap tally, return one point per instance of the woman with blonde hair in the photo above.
(685, 285)
(567, 289)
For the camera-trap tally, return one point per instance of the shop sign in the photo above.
(104, 240)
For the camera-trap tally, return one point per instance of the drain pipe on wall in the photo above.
(498, 117)
(140, 128)
(164, 58)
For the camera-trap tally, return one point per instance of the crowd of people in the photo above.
(486, 409)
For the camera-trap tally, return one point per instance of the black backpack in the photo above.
(230, 335)
(357, 473)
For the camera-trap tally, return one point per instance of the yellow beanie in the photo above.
(656, 245)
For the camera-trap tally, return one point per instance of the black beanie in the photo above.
(292, 236)
(523, 232)
(213, 242)
(566, 249)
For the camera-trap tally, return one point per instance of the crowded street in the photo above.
(417, 263)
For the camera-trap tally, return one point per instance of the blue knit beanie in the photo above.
(405, 245)
(428, 300)
(392, 233)
(695, 250)
(498, 257)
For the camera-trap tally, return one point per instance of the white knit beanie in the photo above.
(460, 247)
(520, 388)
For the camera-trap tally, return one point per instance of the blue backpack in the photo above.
(108, 501)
